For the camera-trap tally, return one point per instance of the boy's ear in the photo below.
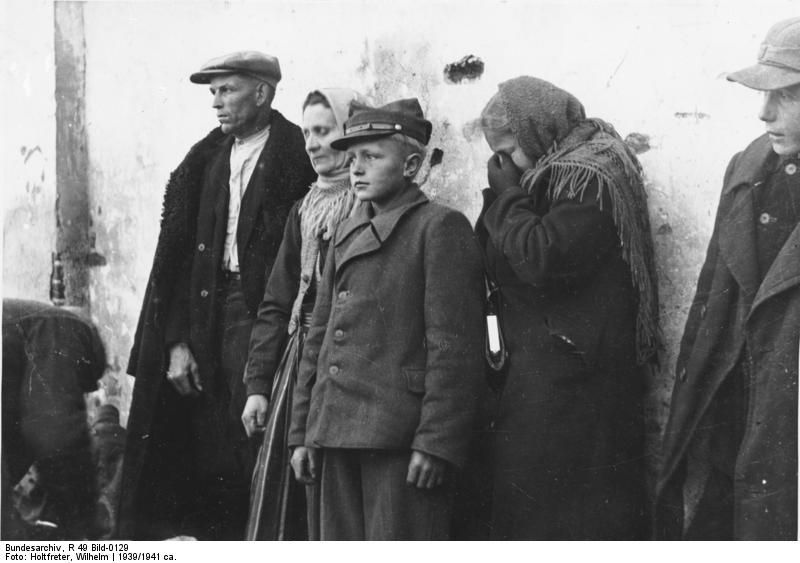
(412, 165)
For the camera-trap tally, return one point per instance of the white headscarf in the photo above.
(329, 201)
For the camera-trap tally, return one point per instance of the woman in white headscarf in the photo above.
(277, 505)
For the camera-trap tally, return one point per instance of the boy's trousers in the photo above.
(364, 496)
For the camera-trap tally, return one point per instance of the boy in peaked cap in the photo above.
(730, 446)
(388, 380)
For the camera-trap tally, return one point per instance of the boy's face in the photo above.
(781, 113)
(380, 170)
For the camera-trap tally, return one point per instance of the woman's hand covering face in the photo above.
(502, 173)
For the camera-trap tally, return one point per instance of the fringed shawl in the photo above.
(329, 201)
(593, 153)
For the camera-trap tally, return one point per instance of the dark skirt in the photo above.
(278, 508)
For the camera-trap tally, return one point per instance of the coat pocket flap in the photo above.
(415, 380)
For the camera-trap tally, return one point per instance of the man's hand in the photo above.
(254, 415)
(425, 471)
(305, 462)
(183, 373)
(502, 172)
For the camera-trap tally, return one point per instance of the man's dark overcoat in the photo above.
(733, 314)
(566, 435)
(180, 300)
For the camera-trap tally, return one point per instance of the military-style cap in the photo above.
(251, 63)
(401, 116)
(778, 59)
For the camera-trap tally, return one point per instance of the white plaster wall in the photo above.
(27, 146)
(649, 67)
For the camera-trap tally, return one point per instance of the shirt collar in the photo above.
(257, 138)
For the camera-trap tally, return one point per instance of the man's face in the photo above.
(781, 113)
(238, 100)
(378, 169)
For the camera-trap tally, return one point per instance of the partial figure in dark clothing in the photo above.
(51, 358)
(730, 446)
(188, 462)
(277, 507)
(108, 448)
(566, 237)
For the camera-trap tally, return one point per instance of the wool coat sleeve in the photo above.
(567, 242)
(176, 325)
(311, 348)
(269, 332)
(453, 306)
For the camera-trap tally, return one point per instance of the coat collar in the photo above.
(784, 272)
(260, 182)
(263, 181)
(737, 240)
(737, 236)
(755, 165)
(384, 223)
(365, 232)
(219, 175)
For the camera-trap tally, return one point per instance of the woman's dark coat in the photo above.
(180, 300)
(270, 329)
(733, 311)
(566, 432)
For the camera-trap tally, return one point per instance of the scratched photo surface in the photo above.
(85, 169)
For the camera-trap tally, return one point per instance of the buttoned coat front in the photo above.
(733, 314)
(393, 358)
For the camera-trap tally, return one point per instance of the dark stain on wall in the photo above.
(436, 156)
(466, 69)
(698, 115)
(664, 229)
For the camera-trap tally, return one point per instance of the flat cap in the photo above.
(778, 59)
(251, 63)
(401, 116)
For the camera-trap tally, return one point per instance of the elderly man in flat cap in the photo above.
(730, 448)
(188, 462)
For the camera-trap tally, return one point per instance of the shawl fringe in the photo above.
(594, 152)
(322, 209)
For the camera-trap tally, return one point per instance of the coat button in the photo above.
(343, 294)
(333, 370)
(204, 293)
(201, 247)
(791, 168)
(765, 218)
(338, 333)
